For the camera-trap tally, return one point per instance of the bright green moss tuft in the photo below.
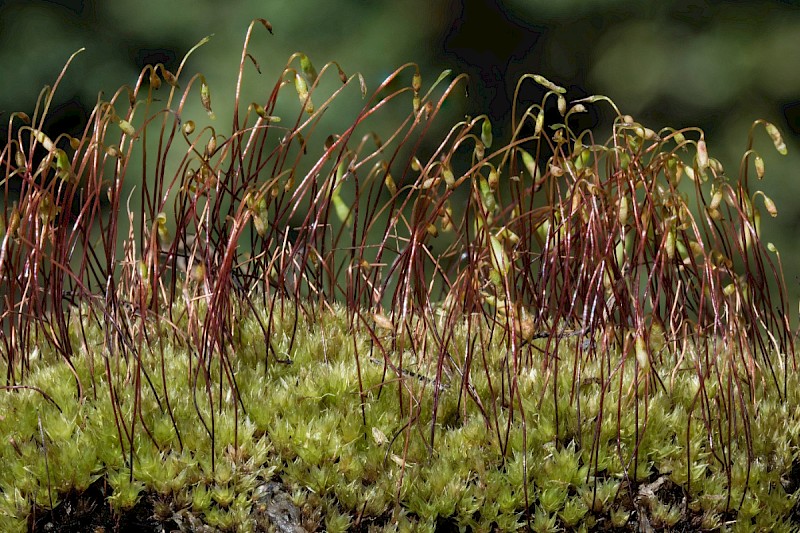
(307, 431)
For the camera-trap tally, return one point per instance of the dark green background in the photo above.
(718, 65)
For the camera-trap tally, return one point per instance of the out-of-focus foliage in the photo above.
(122, 37)
(717, 65)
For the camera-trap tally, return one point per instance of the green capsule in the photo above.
(487, 196)
(539, 123)
(308, 68)
(500, 261)
(205, 98)
(486, 133)
(126, 127)
(261, 227)
(63, 166)
(301, 87)
(759, 167)
(669, 244)
(390, 185)
(777, 140)
(449, 177)
(544, 82)
(161, 227)
(529, 162)
(642, 356)
(623, 210)
(341, 208)
(43, 139)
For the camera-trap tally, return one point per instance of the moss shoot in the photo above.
(283, 327)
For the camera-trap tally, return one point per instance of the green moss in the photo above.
(304, 427)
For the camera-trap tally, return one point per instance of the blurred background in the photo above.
(713, 64)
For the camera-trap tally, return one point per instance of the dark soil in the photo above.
(89, 512)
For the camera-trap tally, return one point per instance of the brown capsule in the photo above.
(527, 329)
(494, 179)
(480, 149)
(390, 185)
(266, 24)
(169, 77)
(198, 272)
(342, 75)
(702, 154)
(447, 220)
(770, 205)
(382, 321)
(416, 81)
(155, 81)
(363, 85)
(13, 222)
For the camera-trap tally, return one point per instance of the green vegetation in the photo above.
(303, 426)
(336, 330)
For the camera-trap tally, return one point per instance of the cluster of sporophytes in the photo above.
(548, 333)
